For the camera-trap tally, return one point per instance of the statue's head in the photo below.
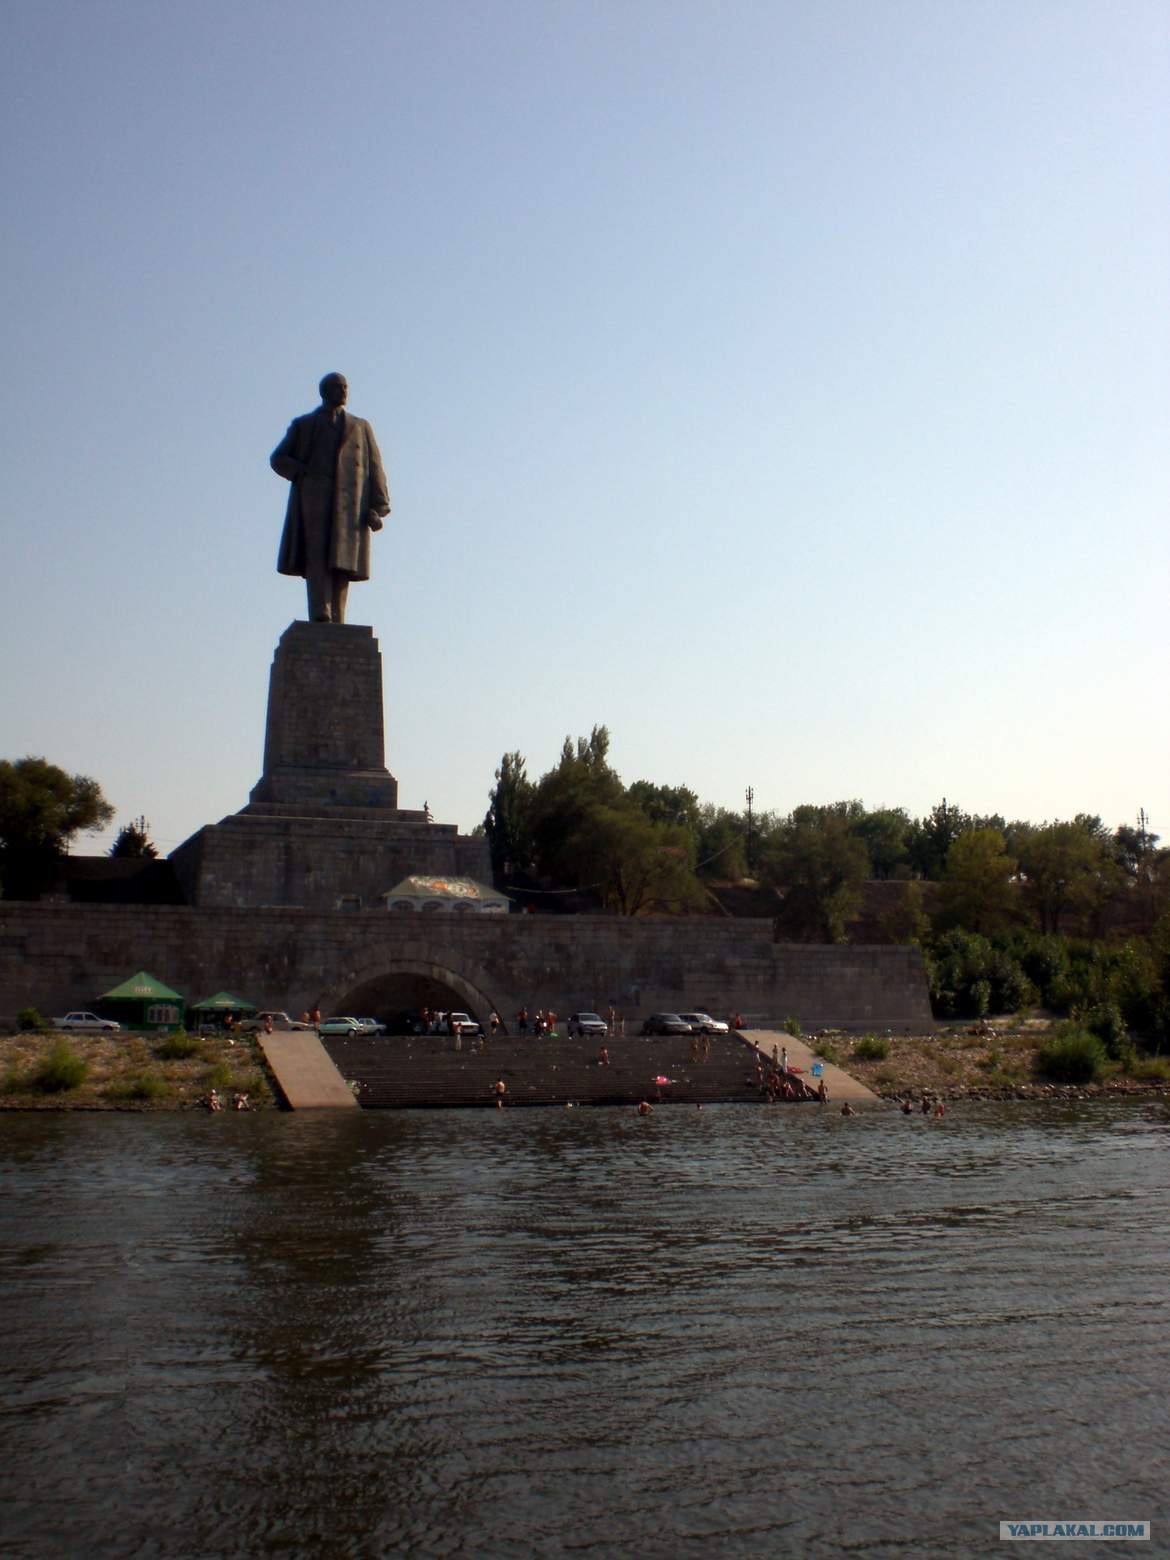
(334, 389)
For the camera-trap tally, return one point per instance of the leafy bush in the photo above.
(140, 1086)
(61, 1070)
(1071, 1056)
(1042, 960)
(177, 1046)
(1105, 1021)
(30, 1022)
(828, 1052)
(1151, 1069)
(219, 1076)
(870, 1048)
(971, 978)
(792, 1027)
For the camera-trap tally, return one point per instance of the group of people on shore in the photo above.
(217, 1101)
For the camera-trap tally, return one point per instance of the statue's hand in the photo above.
(374, 521)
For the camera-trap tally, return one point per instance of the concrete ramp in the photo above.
(841, 1085)
(304, 1073)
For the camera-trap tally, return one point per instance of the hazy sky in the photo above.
(783, 385)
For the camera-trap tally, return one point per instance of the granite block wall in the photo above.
(57, 956)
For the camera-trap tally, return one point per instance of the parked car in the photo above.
(91, 1021)
(256, 1022)
(467, 1024)
(371, 1026)
(340, 1026)
(666, 1024)
(587, 1024)
(704, 1024)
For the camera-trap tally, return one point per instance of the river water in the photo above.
(738, 1331)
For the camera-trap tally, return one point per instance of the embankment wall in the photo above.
(59, 956)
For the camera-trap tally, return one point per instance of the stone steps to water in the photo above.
(401, 1071)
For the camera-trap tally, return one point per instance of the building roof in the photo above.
(141, 988)
(224, 1002)
(465, 889)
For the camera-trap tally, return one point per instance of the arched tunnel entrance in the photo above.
(395, 996)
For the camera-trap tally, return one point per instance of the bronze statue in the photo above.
(338, 497)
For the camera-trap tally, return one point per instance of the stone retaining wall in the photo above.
(59, 956)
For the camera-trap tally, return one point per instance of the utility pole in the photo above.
(750, 797)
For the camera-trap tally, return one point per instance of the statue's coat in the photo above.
(360, 487)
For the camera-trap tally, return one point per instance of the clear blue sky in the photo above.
(783, 385)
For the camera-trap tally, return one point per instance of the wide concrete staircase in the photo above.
(425, 1070)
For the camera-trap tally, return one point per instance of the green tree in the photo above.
(134, 841)
(978, 891)
(885, 833)
(818, 864)
(41, 809)
(509, 819)
(721, 845)
(1068, 869)
(666, 803)
(581, 780)
(637, 866)
(930, 838)
(904, 919)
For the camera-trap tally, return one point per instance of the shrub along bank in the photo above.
(40, 1070)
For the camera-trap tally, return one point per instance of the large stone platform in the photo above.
(322, 829)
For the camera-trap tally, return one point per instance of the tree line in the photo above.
(649, 848)
(1067, 912)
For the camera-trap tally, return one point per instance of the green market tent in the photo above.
(223, 1002)
(144, 1002)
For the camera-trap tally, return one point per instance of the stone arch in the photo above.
(386, 982)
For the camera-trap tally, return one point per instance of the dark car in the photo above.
(666, 1024)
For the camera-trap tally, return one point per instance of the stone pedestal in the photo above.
(325, 740)
(323, 829)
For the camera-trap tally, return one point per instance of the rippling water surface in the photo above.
(737, 1331)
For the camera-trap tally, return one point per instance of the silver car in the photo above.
(704, 1024)
(587, 1024)
(340, 1026)
(84, 1021)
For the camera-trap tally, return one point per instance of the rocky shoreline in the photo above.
(994, 1060)
(133, 1072)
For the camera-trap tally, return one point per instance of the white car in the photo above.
(704, 1024)
(467, 1024)
(87, 1021)
(587, 1024)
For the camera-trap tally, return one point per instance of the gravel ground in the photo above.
(125, 1072)
(980, 1061)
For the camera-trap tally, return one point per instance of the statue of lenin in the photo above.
(338, 497)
